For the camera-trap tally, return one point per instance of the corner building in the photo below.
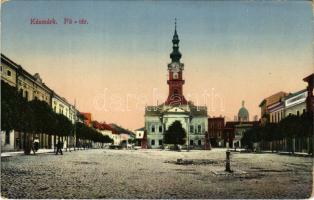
(194, 119)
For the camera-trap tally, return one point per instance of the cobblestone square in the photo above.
(103, 173)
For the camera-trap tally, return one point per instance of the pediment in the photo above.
(176, 110)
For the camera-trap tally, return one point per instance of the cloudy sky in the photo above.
(117, 63)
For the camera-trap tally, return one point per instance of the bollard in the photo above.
(228, 161)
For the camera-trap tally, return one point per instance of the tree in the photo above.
(175, 134)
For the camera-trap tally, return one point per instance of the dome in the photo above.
(243, 114)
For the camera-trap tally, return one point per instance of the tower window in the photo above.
(153, 129)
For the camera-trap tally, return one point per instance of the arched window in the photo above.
(153, 128)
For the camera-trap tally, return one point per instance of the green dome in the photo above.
(243, 113)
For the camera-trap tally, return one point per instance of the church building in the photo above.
(176, 108)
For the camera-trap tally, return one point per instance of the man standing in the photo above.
(59, 147)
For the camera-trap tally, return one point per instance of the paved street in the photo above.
(101, 173)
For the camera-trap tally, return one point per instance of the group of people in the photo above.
(35, 146)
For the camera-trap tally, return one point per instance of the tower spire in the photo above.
(175, 25)
(175, 54)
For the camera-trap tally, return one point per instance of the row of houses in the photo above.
(282, 104)
(119, 135)
(32, 87)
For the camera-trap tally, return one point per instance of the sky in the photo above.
(116, 63)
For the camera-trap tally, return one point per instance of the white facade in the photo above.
(139, 134)
(61, 106)
(193, 120)
(295, 104)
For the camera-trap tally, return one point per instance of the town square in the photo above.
(157, 100)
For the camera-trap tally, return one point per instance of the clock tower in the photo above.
(175, 79)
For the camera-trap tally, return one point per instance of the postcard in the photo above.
(156, 99)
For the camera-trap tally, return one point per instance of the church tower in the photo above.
(175, 79)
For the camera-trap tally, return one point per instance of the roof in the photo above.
(9, 61)
(195, 111)
(140, 129)
(120, 130)
(294, 94)
(102, 126)
(198, 110)
(309, 78)
(153, 110)
(273, 98)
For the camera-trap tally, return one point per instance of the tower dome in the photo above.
(243, 114)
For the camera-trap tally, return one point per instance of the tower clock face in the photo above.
(175, 67)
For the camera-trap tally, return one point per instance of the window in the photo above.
(199, 142)
(153, 142)
(1, 68)
(298, 113)
(199, 128)
(191, 142)
(160, 129)
(7, 137)
(139, 135)
(160, 142)
(175, 92)
(191, 129)
(9, 73)
(303, 111)
(153, 129)
(55, 108)
(26, 95)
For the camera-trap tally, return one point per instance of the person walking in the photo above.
(35, 145)
(59, 147)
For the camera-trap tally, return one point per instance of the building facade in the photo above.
(295, 103)
(310, 93)
(139, 135)
(215, 131)
(176, 108)
(234, 130)
(61, 106)
(276, 111)
(269, 101)
(31, 87)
